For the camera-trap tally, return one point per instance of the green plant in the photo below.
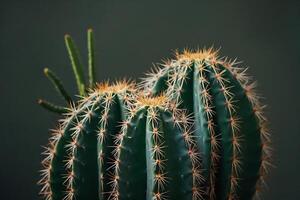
(77, 67)
(156, 156)
(78, 160)
(195, 130)
(229, 122)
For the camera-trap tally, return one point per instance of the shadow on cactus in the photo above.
(193, 129)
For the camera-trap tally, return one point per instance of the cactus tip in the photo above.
(67, 36)
(46, 70)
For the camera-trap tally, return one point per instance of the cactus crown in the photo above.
(200, 54)
(158, 101)
(117, 86)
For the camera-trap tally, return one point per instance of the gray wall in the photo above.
(129, 38)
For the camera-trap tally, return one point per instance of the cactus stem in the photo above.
(76, 64)
(91, 55)
(51, 107)
(58, 85)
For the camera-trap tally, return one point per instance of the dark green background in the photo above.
(129, 38)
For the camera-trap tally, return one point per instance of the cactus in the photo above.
(156, 155)
(229, 121)
(195, 131)
(78, 159)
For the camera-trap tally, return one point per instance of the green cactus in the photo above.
(78, 161)
(229, 120)
(156, 156)
(196, 131)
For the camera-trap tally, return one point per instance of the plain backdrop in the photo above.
(130, 36)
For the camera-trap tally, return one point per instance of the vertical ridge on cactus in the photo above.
(228, 119)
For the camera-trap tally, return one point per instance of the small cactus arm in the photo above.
(78, 162)
(156, 157)
(229, 122)
(77, 67)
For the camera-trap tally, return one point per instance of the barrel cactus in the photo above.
(193, 130)
(78, 160)
(230, 126)
(157, 156)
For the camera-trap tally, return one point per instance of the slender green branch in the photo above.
(58, 85)
(76, 64)
(91, 60)
(51, 107)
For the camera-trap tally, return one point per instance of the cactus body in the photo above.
(157, 158)
(78, 162)
(228, 118)
(204, 138)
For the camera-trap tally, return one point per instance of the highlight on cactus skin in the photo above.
(194, 129)
(230, 126)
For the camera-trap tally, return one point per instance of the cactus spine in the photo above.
(228, 118)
